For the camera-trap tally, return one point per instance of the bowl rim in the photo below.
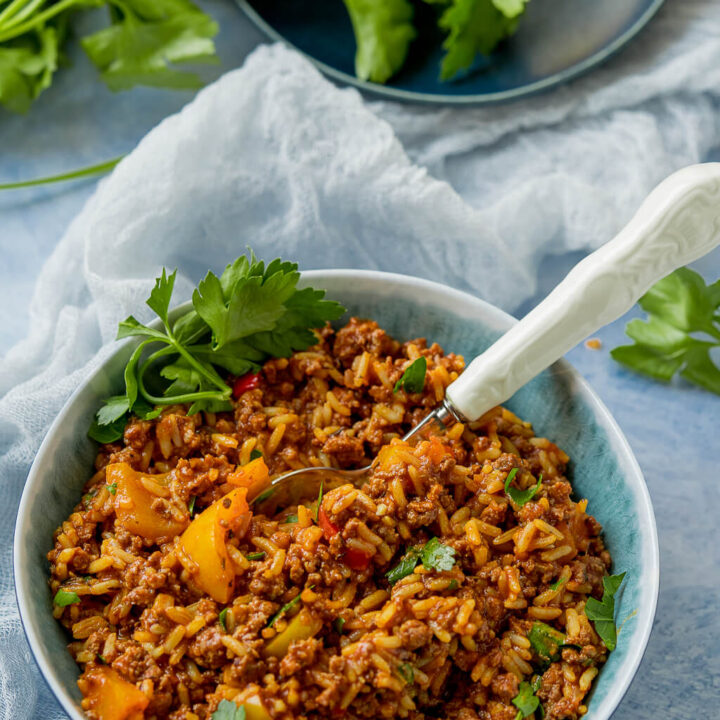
(387, 92)
(490, 313)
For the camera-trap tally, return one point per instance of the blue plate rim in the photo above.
(390, 93)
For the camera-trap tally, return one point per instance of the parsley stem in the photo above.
(15, 13)
(73, 175)
(43, 17)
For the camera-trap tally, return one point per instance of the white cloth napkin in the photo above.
(274, 156)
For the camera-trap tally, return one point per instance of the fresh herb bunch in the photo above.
(384, 31)
(681, 331)
(250, 313)
(141, 45)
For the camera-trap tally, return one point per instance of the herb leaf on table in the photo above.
(682, 327)
(248, 314)
(383, 33)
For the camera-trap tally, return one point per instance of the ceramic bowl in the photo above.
(559, 403)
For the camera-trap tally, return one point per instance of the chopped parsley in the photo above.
(413, 379)
(319, 500)
(520, 497)
(256, 555)
(434, 555)
(339, 623)
(191, 505)
(602, 612)
(63, 598)
(291, 519)
(526, 701)
(112, 488)
(454, 584)
(263, 495)
(285, 608)
(546, 641)
(557, 584)
(222, 619)
(406, 672)
(255, 454)
(228, 710)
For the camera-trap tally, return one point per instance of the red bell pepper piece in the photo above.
(329, 530)
(249, 381)
(356, 559)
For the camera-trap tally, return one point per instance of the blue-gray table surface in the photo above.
(672, 429)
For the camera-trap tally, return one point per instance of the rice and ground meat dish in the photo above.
(433, 591)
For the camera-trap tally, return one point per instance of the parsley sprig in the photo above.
(228, 710)
(434, 555)
(602, 612)
(526, 701)
(520, 497)
(142, 44)
(249, 313)
(681, 330)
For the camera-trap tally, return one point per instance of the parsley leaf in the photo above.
(558, 584)
(436, 556)
(602, 612)
(146, 38)
(228, 710)
(255, 454)
(221, 619)
(413, 379)
(249, 313)
(319, 500)
(520, 497)
(525, 701)
(338, 624)
(285, 608)
(406, 673)
(546, 640)
(433, 555)
(63, 598)
(255, 556)
(383, 33)
(682, 328)
(191, 505)
(112, 488)
(475, 26)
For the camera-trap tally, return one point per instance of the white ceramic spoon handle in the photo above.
(678, 223)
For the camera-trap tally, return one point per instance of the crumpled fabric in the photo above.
(274, 156)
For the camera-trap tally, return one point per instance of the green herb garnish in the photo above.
(112, 488)
(228, 710)
(191, 505)
(263, 496)
(525, 701)
(286, 607)
(291, 519)
(413, 379)
(249, 313)
(319, 500)
(141, 44)
(682, 328)
(602, 612)
(557, 584)
(454, 584)
(338, 624)
(255, 454)
(520, 497)
(434, 555)
(406, 672)
(546, 641)
(221, 619)
(63, 598)
(255, 555)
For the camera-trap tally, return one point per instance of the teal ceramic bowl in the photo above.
(559, 403)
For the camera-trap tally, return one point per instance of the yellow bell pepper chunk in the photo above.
(133, 504)
(254, 476)
(303, 626)
(255, 710)
(203, 552)
(109, 697)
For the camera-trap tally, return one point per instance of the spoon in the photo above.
(678, 223)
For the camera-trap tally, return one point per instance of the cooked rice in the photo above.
(463, 633)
